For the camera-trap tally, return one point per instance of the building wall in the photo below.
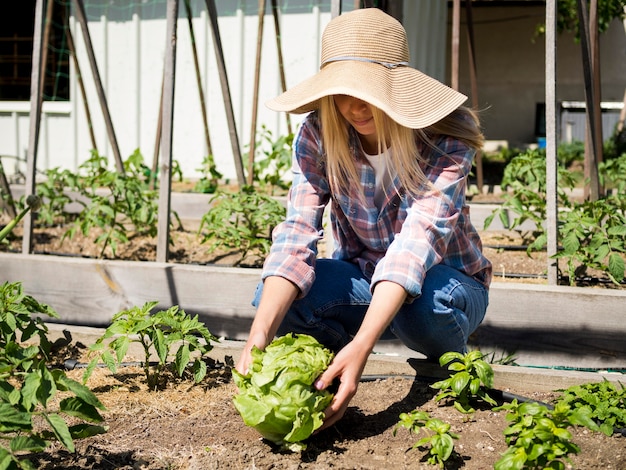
(510, 62)
(129, 43)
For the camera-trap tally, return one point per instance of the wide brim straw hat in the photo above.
(365, 54)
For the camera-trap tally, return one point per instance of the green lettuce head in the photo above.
(277, 396)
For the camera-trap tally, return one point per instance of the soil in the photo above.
(195, 426)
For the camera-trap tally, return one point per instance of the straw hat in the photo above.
(365, 54)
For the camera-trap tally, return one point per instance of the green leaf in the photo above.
(616, 266)
(77, 407)
(460, 381)
(24, 443)
(81, 431)
(182, 358)
(12, 419)
(60, 430)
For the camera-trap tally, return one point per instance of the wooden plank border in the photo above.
(538, 324)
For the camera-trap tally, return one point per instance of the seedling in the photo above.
(440, 441)
(603, 401)
(469, 383)
(160, 334)
(30, 413)
(539, 438)
(241, 221)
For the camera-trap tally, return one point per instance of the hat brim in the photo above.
(406, 95)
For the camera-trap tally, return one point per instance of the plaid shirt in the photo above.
(399, 242)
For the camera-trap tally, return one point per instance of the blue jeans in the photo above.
(451, 307)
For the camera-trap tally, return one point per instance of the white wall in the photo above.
(129, 47)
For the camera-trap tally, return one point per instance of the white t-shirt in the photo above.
(383, 176)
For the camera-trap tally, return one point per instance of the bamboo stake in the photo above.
(35, 122)
(198, 78)
(474, 83)
(255, 94)
(281, 63)
(230, 115)
(592, 189)
(165, 181)
(82, 19)
(81, 86)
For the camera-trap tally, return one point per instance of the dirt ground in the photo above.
(188, 426)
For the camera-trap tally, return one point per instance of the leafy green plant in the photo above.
(603, 401)
(118, 203)
(472, 376)
(54, 193)
(161, 334)
(241, 221)
(593, 235)
(440, 441)
(525, 179)
(538, 437)
(209, 181)
(277, 397)
(270, 170)
(612, 172)
(30, 414)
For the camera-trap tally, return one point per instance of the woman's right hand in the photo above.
(260, 341)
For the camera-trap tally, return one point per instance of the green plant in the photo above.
(603, 401)
(30, 414)
(525, 178)
(593, 235)
(440, 442)
(54, 193)
(277, 397)
(613, 173)
(33, 202)
(209, 181)
(538, 438)
(270, 171)
(117, 203)
(241, 221)
(469, 382)
(159, 333)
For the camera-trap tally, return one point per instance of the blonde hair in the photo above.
(405, 159)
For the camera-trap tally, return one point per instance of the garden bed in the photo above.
(187, 426)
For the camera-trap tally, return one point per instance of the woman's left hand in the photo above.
(347, 366)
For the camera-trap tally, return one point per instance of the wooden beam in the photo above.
(82, 20)
(228, 105)
(538, 324)
(454, 44)
(279, 51)
(165, 176)
(36, 78)
(471, 49)
(592, 189)
(205, 120)
(552, 209)
(255, 92)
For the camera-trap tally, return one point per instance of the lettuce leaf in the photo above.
(277, 397)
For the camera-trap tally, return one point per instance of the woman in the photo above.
(390, 149)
